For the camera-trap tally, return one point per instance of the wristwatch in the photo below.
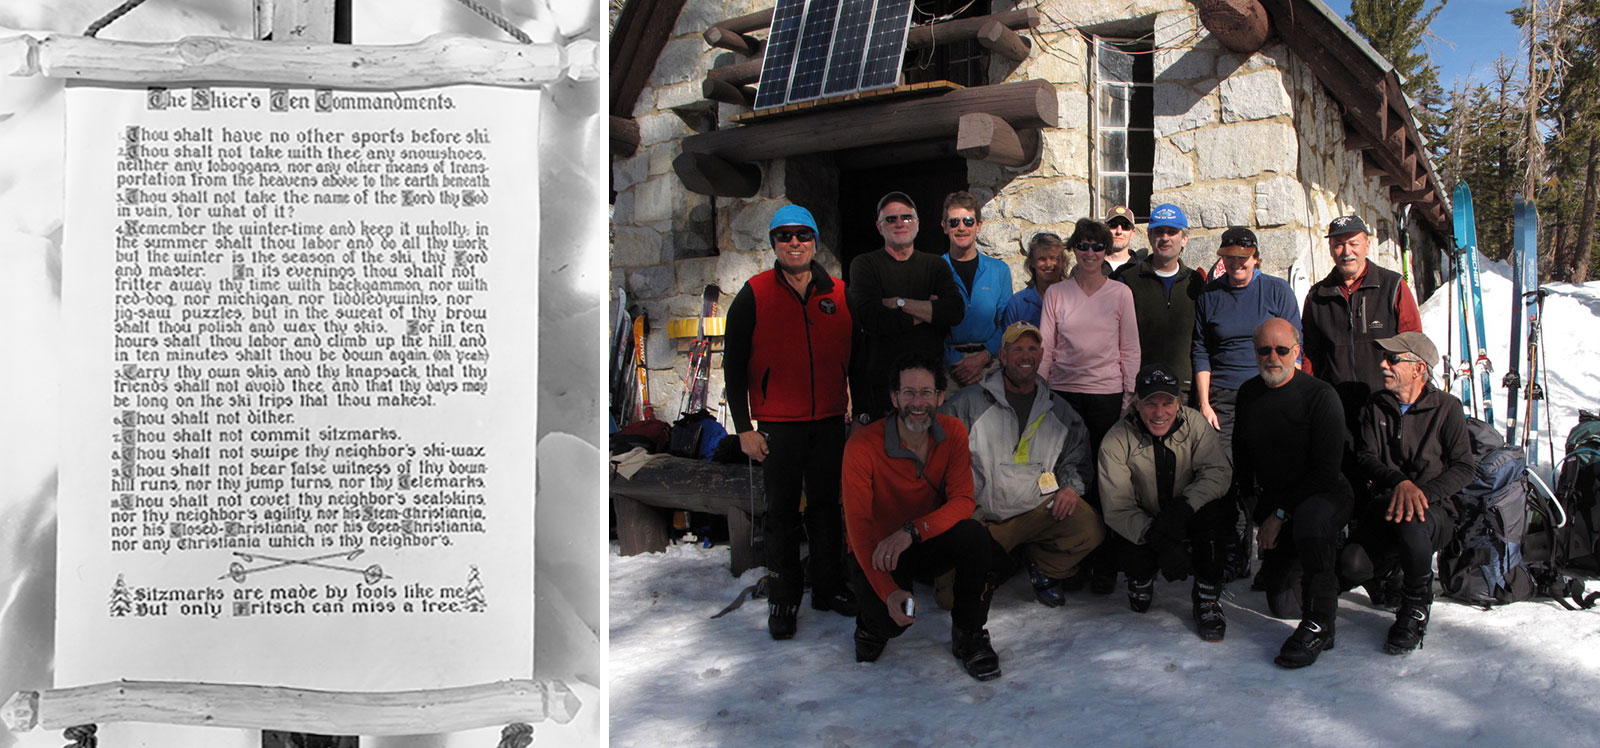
(863, 418)
(900, 303)
(911, 529)
(1282, 515)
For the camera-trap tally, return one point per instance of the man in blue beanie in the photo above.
(785, 361)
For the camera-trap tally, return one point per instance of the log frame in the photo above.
(293, 709)
(438, 60)
(1022, 104)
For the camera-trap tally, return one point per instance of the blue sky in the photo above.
(1471, 34)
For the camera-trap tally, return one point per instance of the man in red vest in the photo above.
(785, 364)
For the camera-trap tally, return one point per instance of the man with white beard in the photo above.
(908, 514)
(1288, 445)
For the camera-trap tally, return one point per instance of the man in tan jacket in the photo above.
(1162, 473)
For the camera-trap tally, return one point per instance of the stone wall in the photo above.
(1239, 140)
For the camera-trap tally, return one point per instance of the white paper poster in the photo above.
(300, 386)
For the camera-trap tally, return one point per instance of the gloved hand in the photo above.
(1174, 561)
(1172, 524)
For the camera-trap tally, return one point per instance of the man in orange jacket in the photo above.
(908, 514)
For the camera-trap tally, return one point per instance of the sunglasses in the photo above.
(1399, 358)
(1268, 350)
(1090, 247)
(902, 218)
(954, 222)
(782, 236)
(1158, 377)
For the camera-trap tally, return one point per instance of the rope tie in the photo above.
(83, 736)
(109, 18)
(494, 18)
(516, 735)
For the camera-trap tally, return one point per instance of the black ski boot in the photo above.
(841, 601)
(977, 656)
(1411, 620)
(1302, 647)
(781, 620)
(869, 646)
(1209, 621)
(1140, 593)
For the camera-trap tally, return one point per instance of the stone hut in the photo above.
(1271, 114)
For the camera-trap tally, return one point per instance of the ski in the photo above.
(1482, 362)
(1466, 237)
(1532, 300)
(621, 360)
(698, 380)
(641, 380)
(1513, 379)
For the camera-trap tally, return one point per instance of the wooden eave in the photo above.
(1377, 119)
(643, 28)
(997, 123)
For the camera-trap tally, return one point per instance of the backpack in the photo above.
(1483, 563)
(695, 435)
(1577, 543)
(650, 433)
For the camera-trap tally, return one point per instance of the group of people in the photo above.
(1122, 418)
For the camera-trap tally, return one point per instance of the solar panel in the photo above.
(832, 47)
(849, 46)
(887, 44)
(781, 45)
(816, 37)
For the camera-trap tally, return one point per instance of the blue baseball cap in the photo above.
(1168, 215)
(792, 215)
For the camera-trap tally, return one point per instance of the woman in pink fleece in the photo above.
(1091, 352)
(1091, 340)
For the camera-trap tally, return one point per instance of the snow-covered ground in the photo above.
(1096, 673)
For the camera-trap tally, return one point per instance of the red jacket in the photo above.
(795, 352)
(884, 488)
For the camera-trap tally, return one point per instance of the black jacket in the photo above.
(1166, 323)
(1341, 334)
(1428, 446)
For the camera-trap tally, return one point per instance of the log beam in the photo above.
(985, 137)
(1406, 197)
(1241, 25)
(1002, 41)
(733, 41)
(728, 93)
(294, 709)
(624, 136)
(1023, 105)
(707, 174)
(920, 37)
(439, 60)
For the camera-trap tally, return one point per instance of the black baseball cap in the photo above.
(896, 197)
(1347, 225)
(1237, 241)
(1155, 378)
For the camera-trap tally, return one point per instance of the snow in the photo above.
(1093, 672)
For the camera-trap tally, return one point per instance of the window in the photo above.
(963, 62)
(1123, 124)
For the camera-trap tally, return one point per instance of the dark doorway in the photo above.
(927, 182)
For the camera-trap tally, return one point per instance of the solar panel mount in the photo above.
(819, 48)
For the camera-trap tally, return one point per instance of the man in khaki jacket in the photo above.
(1162, 472)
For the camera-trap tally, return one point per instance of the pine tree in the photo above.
(476, 603)
(1396, 29)
(121, 600)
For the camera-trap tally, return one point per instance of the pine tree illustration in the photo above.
(121, 600)
(475, 599)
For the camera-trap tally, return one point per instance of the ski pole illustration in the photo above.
(238, 573)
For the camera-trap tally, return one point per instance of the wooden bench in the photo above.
(694, 485)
